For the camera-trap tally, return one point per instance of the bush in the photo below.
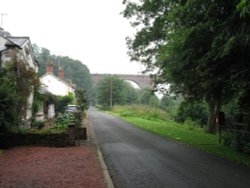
(191, 124)
(246, 149)
(38, 124)
(143, 111)
(239, 141)
(8, 104)
(63, 120)
(63, 102)
(197, 111)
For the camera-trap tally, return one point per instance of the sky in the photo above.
(92, 31)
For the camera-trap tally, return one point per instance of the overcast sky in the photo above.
(92, 31)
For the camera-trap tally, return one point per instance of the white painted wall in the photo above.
(2, 43)
(25, 54)
(55, 86)
(51, 111)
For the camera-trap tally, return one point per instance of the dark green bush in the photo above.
(8, 103)
(195, 110)
(239, 141)
(38, 124)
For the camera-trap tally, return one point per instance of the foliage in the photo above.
(43, 100)
(63, 120)
(63, 101)
(8, 102)
(147, 97)
(38, 124)
(246, 149)
(132, 94)
(112, 89)
(193, 110)
(24, 80)
(190, 123)
(38, 99)
(239, 141)
(142, 111)
(81, 100)
(170, 104)
(82, 103)
(18, 81)
(170, 38)
(52, 130)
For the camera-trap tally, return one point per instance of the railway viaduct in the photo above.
(141, 80)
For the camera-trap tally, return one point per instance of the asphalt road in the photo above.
(138, 159)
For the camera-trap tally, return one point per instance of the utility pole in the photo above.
(2, 15)
(111, 92)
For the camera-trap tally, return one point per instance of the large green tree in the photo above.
(199, 46)
(147, 97)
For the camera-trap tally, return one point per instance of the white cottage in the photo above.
(56, 85)
(18, 48)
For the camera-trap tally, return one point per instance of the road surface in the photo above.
(138, 159)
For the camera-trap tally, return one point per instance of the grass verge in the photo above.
(189, 135)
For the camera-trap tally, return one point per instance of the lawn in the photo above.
(189, 135)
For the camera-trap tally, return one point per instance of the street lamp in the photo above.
(2, 15)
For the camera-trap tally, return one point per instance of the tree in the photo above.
(131, 94)
(194, 110)
(82, 103)
(81, 100)
(114, 91)
(147, 97)
(199, 46)
(170, 104)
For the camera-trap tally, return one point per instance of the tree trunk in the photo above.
(213, 108)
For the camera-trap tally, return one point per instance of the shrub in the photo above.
(63, 120)
(63, 102)
(191, 124)
(197, 111)
(246, 149)
(38, 124)
(144, 111)
(8, 103)
(239, 141)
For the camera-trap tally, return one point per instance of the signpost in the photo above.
(219, 122)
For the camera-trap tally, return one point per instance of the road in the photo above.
(138, 159)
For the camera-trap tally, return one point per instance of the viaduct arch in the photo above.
(141, 80)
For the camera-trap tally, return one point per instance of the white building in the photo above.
(56, 85)
(19, 49)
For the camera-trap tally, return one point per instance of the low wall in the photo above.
(52, 140)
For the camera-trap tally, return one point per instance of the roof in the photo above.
(19, 41)
(61, 80)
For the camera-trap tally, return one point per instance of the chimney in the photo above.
(49, 67)
(61, 72)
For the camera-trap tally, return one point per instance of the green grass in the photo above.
(1, 152)
(185, 134)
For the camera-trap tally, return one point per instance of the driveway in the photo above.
(138, 159)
